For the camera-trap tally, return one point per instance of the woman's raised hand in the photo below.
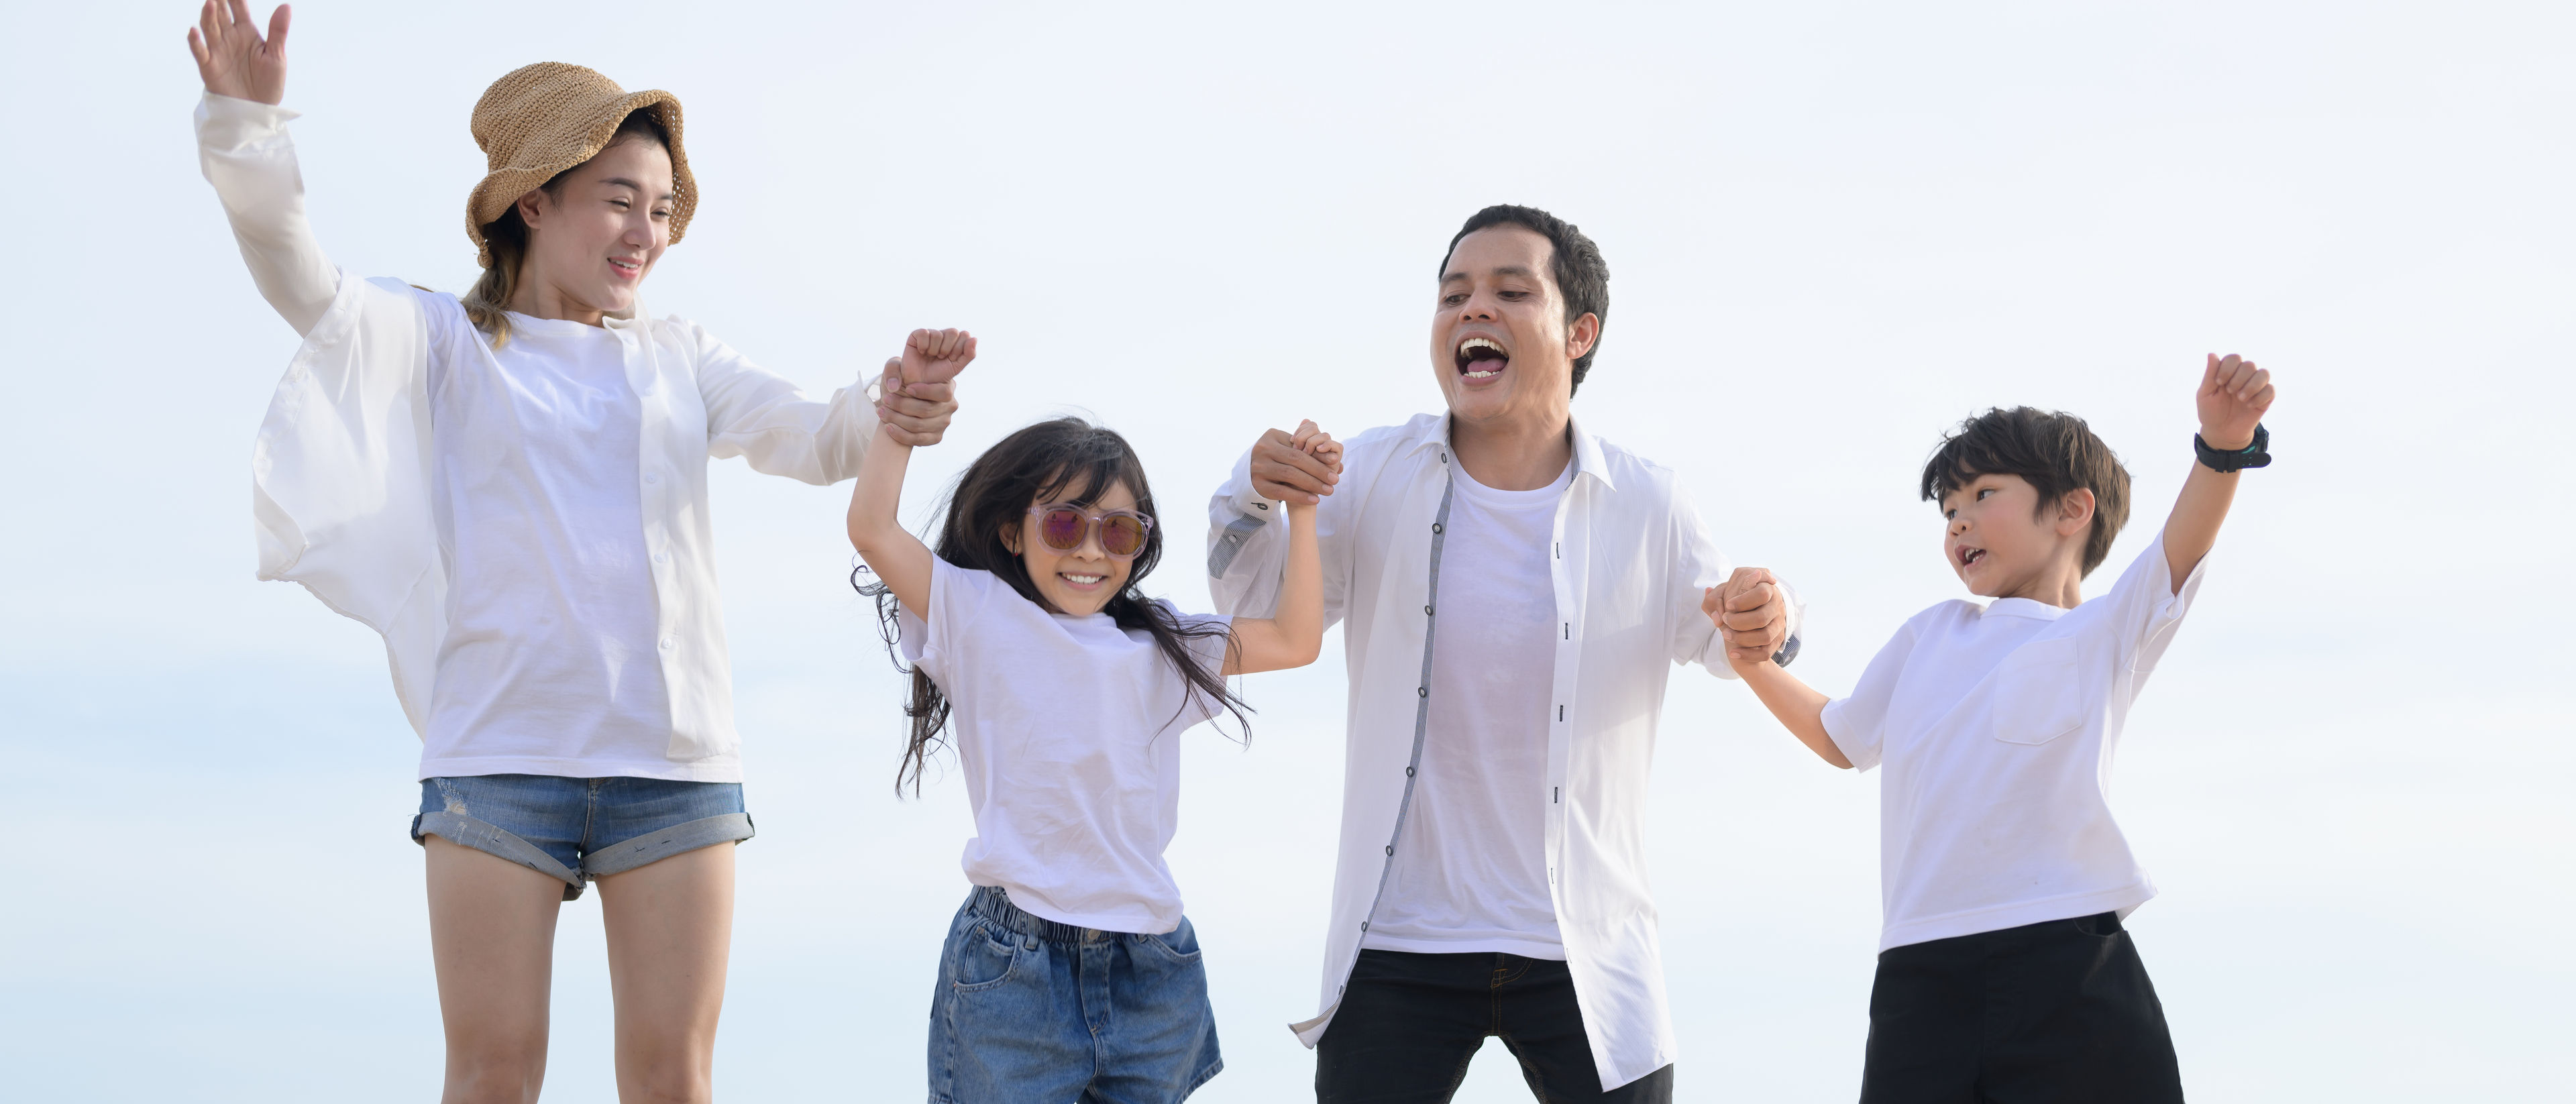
(232, 57)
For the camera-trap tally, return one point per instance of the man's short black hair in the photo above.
(1582, 277)
(2055, 452)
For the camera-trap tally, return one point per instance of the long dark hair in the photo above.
(1063, 460)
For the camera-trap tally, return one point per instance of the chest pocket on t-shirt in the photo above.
(2039, 695)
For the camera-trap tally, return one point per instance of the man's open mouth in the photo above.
(1481, 358)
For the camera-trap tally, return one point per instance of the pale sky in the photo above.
(1833, 230)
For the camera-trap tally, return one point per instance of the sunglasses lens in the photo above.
(1061, 529)
(1122, 535)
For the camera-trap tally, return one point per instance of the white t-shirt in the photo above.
(1068, 731)
(1470, 871)
(548, 666)
(1997, 725)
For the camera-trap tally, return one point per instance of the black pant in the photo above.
(2054, 1011)
(1409, 1023)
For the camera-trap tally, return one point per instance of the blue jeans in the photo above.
(579, 829)
(1030, 1011)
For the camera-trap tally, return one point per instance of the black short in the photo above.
(1409, 1023)
(2060, 1010)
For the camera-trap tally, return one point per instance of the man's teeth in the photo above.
(1478, 343)
(1482, 373)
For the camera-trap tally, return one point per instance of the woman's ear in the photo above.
(2074, 512)
(529, 205)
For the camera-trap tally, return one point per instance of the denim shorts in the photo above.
(1030, 1009)
(577, 829)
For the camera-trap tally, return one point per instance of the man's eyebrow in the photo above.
(1506, 270)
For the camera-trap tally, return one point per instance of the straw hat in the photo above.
(539, 120)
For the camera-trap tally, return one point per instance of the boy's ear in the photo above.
(2074, 512)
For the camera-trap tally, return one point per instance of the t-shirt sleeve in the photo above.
(1858, 723)
(958, 596)
(2144, 609)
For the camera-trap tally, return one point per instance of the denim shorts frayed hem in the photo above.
(577, 830)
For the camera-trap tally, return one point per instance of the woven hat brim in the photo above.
(503, 186)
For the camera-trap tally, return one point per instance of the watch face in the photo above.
(1788, 652)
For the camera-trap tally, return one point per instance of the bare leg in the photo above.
(492, 933)
(670, 930)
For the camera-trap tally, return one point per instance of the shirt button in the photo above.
(661, 557)
(666, 643)
(652, 477)
(1426, 611)
(1422, 691)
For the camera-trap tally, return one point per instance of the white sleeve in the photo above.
(1858, 723)
(243, 149)
(1248, 545)
(2145, 609)
(759, 415)
(1698, 565)
(957, 597)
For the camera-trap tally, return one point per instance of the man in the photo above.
(1492, 875)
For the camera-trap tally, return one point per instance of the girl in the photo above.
(512, 488)
(1070, 972)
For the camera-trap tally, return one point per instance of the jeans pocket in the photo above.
(1180, 944)
(985, 958)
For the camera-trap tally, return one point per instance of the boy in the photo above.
(2003, 971)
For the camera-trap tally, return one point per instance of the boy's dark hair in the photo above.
(1582, 277)
(1060, 460)
(2052, 450)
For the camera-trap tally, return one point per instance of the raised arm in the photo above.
(243, 149)
(1294, 636)
(762, 417)
(1799, 708)
(2232, 398)
(898, 558)
(1248, 545)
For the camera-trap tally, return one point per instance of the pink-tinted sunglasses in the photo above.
(1064, 526)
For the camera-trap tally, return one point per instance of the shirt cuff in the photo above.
(225, 123)
(1247, 502)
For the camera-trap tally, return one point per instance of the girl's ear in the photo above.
(1011, 537)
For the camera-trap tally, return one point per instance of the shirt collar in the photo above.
(2024, 607)
(1587, 448)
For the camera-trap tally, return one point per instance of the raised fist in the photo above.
(2233, 396)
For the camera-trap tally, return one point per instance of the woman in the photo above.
(511, 488)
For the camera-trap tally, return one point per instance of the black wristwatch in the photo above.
(2251, 456)
(1788, 652)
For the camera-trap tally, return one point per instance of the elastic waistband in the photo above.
(991, 903)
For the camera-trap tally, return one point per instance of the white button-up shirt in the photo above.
(1630, 560)
(341, 472)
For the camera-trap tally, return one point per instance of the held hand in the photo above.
(914, 414)
(233, 59)
(936, 356)
(2233, 396)
(1284, 469)
(1320, 445)
(1751, 613)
